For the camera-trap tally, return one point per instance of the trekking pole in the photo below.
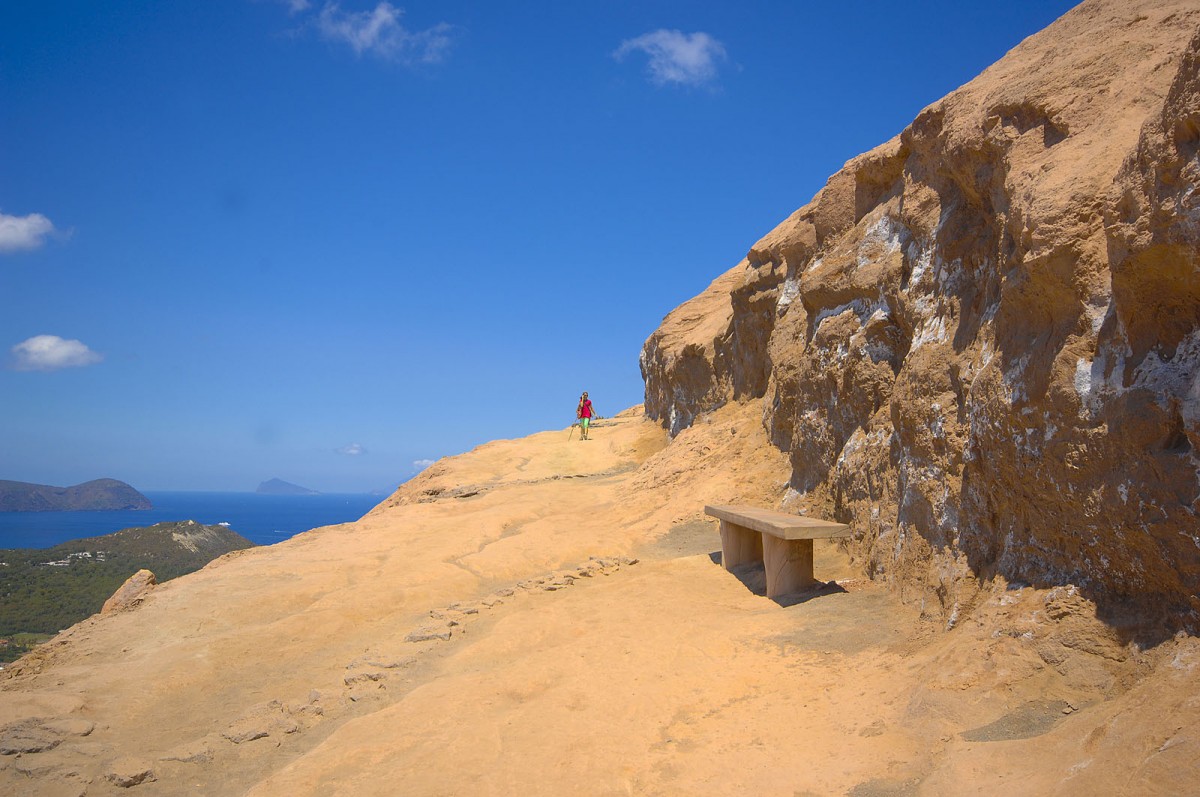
(572, 432)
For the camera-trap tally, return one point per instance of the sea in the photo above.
(262, 519)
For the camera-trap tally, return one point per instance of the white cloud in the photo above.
(352, 450)
(380, 33)
(50, 353)
(688, 59)
(422, 464)
(23, 232)
(293, 6)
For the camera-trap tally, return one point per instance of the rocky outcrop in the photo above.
(131, 593)
(980, 342)
(678, 360)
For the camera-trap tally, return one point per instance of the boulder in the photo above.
(131, 593)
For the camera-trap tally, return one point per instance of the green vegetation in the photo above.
(43, 590)
(18, 645)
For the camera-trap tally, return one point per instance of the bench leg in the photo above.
(789, 565)
(739, 545)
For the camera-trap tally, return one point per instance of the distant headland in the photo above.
(280, 487)
(99, 494)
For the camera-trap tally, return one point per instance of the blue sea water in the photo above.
(262, 519)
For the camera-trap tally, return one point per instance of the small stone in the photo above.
(428, 635)
(199, 752)
(390, 664)
(241, 735)
(362, 677)
(126, 772)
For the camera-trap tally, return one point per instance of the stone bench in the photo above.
(782, 542)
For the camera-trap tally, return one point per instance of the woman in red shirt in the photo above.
(584, 413)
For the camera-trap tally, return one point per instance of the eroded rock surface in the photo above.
(980, 342)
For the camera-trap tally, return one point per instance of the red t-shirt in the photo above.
(585, 408)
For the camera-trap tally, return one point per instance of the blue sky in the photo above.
(326, 242)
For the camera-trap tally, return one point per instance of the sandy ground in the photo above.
(547, 616)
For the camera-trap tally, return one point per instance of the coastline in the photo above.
(263, 519)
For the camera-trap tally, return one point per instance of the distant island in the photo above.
(100, 494)
(280, 487)
(43, 590)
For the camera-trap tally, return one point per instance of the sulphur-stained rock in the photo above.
(35, 735)
(267, 719)
(50, 781)
(28, 736)
(428, 634)
(363, 677)
(980, 341)
(70, 726)
(131, 593)
(196, 752)
(129, 771)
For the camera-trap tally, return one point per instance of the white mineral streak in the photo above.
(887, 233)
(1083, 380)
(787, 294)
(931, 330)
(861, 308)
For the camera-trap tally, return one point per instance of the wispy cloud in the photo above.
(352, 450)
(23, 232)
(422, 464)
(294, 7)
(676, 58)
(50, 353)
(380, 33)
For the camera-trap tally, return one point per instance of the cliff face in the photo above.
(980, 342)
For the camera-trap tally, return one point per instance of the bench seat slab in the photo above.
(778, 524)
(782, 542)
